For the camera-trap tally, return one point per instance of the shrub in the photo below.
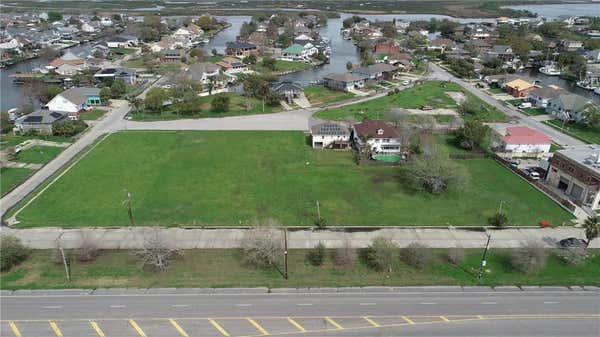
(220, 103)
(530, 258)
(88, 251)
(345, 256)
(455, 256)
(68, 128)
(261, 247)
(157, 254)
(320, 222)
(380, 254)
(316, 256)
(434, 172)
(416, 255)
(572, 255)
(56, 256)
(12, 251)
(498, 220)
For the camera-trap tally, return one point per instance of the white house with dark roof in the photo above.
(344, 81)
(380, 136)
(330, 135)
(74, 100)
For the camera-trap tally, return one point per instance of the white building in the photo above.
(330, 135)
(519, 141)
(74, 100)
(381, 137)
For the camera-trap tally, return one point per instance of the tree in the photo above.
(344, 256)
(285, 40)
(379, 254)
(205, 22)
(316, 256)
(118, 88)
(105, 94)
(157, 254)
(349, 65)
(154, 100)
(54, 16)
(591, 116)
(214, 52)
(499, 219)
(592, 228)
(389, 30)
(416, 255)
(261, 247)
(13, 251)
(530, 258)
(190, 104)
(220, 103)
(198, 53)
(48, 53)
(269, 63)
(250, 59)
(68, 128)
(434, 172)
(50, 92)
(247, 28)
(474, 134)
(6, 125)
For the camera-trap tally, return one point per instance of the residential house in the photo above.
(540, 96)
(41, 121)
(203, 72)
(570, 45)
(569, 107)
(519, 141)
(172, 55)
(378, 135)
(67, 58)
(127, 75)
(376, 72)
(122, 41)
(258, 38)
(441, 45)
(288, 90)
(576, 173)
(344, 81)
(232, 65)
(67, 32)
(241, 49)
(74, 100)
(593, 56)
(295, 52)
(330, 135)
(386, 47)
(503, 52)
(518, 87)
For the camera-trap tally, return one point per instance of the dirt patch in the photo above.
(457, 96)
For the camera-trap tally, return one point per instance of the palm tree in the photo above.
(592, 228)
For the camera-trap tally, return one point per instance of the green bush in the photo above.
(68, 128)
(380, 254)
(416, 255)
(498, 220)
(12, 251)
(316, 256)
(530, 258)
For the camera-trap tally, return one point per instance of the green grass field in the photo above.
(239, 106)
(318, 94)
(38, 154)
(222, 268)
(237, 177)
(7, 141)
(11, 177)
(577, 130)
(431, 93)
(93, 115)
(282, 67)
(123, 51)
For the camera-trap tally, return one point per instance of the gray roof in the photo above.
(344, 77)
(572, 102)
(547, 92)
(330, 129)
(79, 95)
(41, 117)
(375, 69)
(197, 70)
(287, 86)
(585, 155)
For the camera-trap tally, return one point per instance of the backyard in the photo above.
(223, 268)
(282, 67)
(238, 177)
(318, 94)
(238, 106)
(432, 93)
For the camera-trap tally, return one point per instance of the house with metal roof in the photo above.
(74, 100)
(41, 121)
(376, 71)
(127, 75)
(568, 107)
(330, 135)
(344, 81)
(295, 52)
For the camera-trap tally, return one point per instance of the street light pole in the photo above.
(285, 254)
(127, 201)
(483, 261)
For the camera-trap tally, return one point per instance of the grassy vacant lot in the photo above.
(235, 177)
(222, 268)
(239, 105)
(577, 130)
(7, 141)
(282, 67)
(431, 93)
(93, 115)
(38, 154)
(318, 94)
(11, 177)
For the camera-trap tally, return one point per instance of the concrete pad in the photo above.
(161, 291)
(428, 289)
(257, 290)
(6, 292)
(288, 290)
(192, 291)
(507, 288)
(591, 288)
(475, 289)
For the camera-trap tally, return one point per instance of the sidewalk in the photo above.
(133, 237)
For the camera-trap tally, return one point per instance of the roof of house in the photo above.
(241, 45)
(230, 61)
(501, 49)
(330, 129)
(197, 70)
(41, 117)
(343, 77)
(79, 95)
(375, 129)
(440, 42)
(547, 92)
(572, 102)
(519, 84)
(116, 71)
(587, 156)
(287, 86)
(524, 135)
(294, 49)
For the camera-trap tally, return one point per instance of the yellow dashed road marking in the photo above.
(96, 328)
(56, 329)
(334, 323)
(178, 328)
(294, 323)
(14, 329)
(219, 327)
(372, 322)
(408, 320)
(257, 326)
(444, 319)
(137, 328)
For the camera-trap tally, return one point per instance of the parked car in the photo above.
(572, 242)
(534, 175)
(405, 82)
(514, 163)
(525, 105)
(426, 107)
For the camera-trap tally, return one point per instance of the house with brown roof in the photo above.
(232, 65)
(379, 136)
(441, 45)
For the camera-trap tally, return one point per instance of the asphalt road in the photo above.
(437, 72)
(375, 313)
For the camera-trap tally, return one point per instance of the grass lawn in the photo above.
(318, 94)
(215, 58)
(93, 115)
(555, 147)
(577, 130)
(534, 111)
(123, 51)
(7, 141)
(38, 154)
(169, 68)
(135, 63)
(237, 177)
(11, 177)
(431, 93)
(282, 67)
(239, 105)
(223, 268)
(496, 90)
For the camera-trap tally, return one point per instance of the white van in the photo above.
(525, 105)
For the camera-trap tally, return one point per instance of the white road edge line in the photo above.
(304, 304)
(489, 302)
(368, 303)
(52, 307)
(243, 305)
(179, 305)
(428, 303)
(116, 306)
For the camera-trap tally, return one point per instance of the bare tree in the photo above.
(157, 253)
(530, 258)
(344, 256)
(262, 246)
(88, 250)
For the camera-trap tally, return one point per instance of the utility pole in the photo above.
(318, 211)
(127, 202)
(285, 254)
(66, 263)
(500, 208)
(483, 261)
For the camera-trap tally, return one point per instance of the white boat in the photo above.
(585, 85)
(597, 91)
(550, 69)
